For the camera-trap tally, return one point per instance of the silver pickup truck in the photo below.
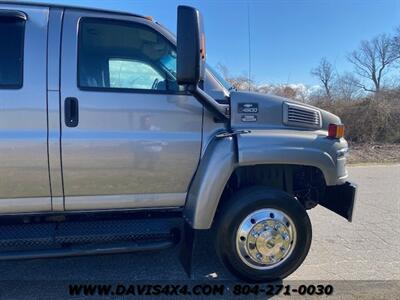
(116, 136)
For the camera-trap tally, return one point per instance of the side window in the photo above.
(131, 74)
(124, 55)
(11, 51)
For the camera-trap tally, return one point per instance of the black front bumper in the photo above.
(340, 199)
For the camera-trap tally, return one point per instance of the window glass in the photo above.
(124, 55)
(220, 79)
(11, 52)
(132, 74)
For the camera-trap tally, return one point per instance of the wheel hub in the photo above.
(265, 238)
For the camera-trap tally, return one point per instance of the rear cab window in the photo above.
(12, 27)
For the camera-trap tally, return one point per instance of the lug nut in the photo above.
(259, 256)
(272, 257)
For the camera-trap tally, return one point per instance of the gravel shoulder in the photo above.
(374, 154)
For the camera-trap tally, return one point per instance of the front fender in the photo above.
(308, 148)
(223, 156)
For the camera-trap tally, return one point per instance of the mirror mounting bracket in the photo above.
(220, 111)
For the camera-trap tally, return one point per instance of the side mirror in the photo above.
(191, 58)
(191, 53)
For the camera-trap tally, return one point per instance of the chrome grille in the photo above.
(299, 115)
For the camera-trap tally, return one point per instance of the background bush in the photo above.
(369, 119)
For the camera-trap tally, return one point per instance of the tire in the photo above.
(270, 253)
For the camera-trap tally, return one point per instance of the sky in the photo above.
(285, 39)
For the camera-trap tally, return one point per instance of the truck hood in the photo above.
(261, 111)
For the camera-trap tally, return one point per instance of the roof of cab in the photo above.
(59, 5)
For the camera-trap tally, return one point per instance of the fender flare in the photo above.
(215, 168)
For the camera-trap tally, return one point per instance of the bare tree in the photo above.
(372, 60)
(346, 87)
(396, 39)
(396, 44)
(324, 72)
(242, 83)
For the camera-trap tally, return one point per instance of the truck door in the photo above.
(130, 136)
(24, 176)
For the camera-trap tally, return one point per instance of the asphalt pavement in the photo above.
(367, 249)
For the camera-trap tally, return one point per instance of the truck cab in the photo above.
(115, 136)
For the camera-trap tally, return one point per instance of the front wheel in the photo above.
(262, 234)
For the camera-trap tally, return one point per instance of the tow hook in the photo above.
(232, 133)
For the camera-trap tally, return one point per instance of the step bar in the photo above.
(86, 250)
(82, 234)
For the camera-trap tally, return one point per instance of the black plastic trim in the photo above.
(71, 112)
(340, 199)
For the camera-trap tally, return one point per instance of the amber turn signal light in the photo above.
(336, 131)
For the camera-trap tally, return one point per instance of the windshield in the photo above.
(219, 78)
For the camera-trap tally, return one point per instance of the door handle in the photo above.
(71, 112)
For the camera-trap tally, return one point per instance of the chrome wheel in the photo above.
(265, 238)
